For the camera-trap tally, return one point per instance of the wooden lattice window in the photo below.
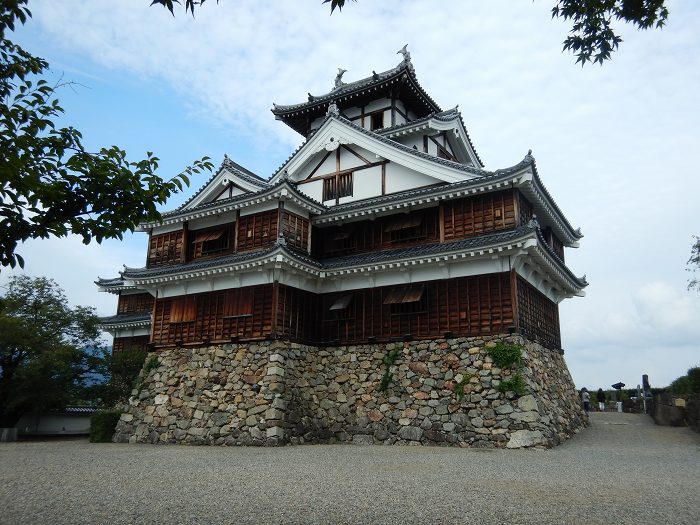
(210, 241)
(130, 344)
(405, 229)
(337, 186)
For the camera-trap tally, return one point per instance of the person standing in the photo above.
(586, 398)
(600, 396)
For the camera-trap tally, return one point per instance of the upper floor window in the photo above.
(408, 299)
(377, 120)
(336, 187)
(210, 242)
(405, 229)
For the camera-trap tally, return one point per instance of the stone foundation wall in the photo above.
(275, 392)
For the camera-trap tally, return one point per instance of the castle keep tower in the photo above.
(366, 292)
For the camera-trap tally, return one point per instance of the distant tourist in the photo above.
(601, 399)
(586, 398)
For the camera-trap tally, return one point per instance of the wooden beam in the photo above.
(441, 220)
(319, 165)
(514, 299)
(356, 154)
(384, 178)
(185, 242)
(235, 231)
(343, 172)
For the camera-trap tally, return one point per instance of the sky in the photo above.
(615, 145)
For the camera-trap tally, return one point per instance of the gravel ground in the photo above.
(622, 469)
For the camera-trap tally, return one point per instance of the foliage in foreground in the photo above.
(694, 264)
(102, 425)
(592, 38)
(50, 353)
(687, 384)
(50, 184)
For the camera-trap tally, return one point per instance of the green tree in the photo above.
(50, 184)
(49, 352)
(694, 264)
(120, 371)
(592, 38)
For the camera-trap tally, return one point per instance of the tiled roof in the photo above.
(138, 317)
(422, 250)
(437, 160)
(244, 197)
(351, 88)
(365, 259)
(489, 177)
(132, 273)
(106, 283)
(444, 116)
(235, 169)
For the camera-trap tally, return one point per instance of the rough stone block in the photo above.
(274, 413)
(525, 417)
(160, 399)
(362, 440)
(275, 371)
(525, 438)
(275, 432)
(410, 433)
(527, 403)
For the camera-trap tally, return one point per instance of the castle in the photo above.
(358, 294)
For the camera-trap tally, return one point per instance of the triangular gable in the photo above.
(336, 131)
(230, 181)
(448, 121)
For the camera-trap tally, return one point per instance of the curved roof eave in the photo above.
(283, 189)
(356, 88)
(234, 169)
(539, 193)
(434, 121)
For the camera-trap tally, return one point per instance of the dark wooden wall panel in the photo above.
(538, 317)
(257, 231)
(295, 230)
(397, 231)
(479, 214)
(165, 249)
(464, 306)
(129, 344)
(140, 302)
(244, 313)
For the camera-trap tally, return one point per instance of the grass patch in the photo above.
(459, 387)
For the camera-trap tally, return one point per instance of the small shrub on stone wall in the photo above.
(514, 384)
(505, 355)
(102, 425)
(459, 387)
(389, 361)
(150, 365)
